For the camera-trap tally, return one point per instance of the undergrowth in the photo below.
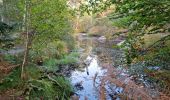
(49, 88)
(53, 64)
(11, 81)
(69, 59)
(12, 58)
(36, 85)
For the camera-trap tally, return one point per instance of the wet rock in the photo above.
(120, 43)
(84, 34)
(154, 68)
(88, 60)
(79, 86)
(75, 97)
(40, 63)
(102, 39)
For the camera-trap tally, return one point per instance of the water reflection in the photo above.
(85, 80)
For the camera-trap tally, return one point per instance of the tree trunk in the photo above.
(2, 17)
(26, 20)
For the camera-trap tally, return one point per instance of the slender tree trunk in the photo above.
(24, 18)
(5, 11)
(2, 17)
(91, 18)
(26, 39)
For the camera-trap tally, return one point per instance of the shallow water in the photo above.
(91, 77)
(83, 78)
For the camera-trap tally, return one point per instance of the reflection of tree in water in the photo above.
(87, 46)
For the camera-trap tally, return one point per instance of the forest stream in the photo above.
(101, 75)
(87, 78)
(84, 50)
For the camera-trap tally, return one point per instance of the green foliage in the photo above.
(49, 31)
(94, 6)
(4, 28)
(51, 64)
(160, 58)
(11, 11)
(6, 41)
(11, 81)
(122, 22)
(69, 59)
(47, 89)
(37, 85)
(44, 90)
(65, 86)
(10, 58)
(143, 17)
(50, 20)
(33, 72)
(145, 12)
(57, 49)
(139, 17)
